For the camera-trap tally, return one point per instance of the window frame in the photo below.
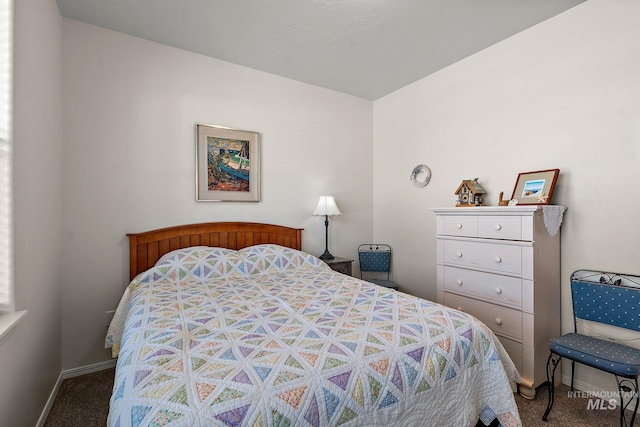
(7, 292)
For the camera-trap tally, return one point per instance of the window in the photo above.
(6, 282)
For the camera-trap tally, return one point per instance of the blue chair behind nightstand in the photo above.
(375, 261)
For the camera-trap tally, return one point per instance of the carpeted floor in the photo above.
(84, 402)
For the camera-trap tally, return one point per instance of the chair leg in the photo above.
(552, 364)
(626, 387)
(573, 370)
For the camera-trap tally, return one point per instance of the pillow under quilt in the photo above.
(204, 262)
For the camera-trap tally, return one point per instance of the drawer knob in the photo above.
(459, 282)
(458, 226)
(498, 227)
(459, 254)
(498, 291)
(498, 259)
(498, 321)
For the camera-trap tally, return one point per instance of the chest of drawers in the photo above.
(501, 265)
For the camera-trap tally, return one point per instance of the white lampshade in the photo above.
(327, 206)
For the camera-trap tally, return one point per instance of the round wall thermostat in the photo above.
(421, 175)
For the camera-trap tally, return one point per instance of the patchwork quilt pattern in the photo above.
(270, 336)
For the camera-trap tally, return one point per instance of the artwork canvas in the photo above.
(533, 188)
(228, 163)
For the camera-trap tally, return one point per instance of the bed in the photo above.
(232, 324)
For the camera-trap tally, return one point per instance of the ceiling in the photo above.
(367, 48)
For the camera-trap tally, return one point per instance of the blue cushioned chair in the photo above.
(608, 298)
(375, 264)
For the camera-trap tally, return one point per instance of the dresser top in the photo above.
(490, 210)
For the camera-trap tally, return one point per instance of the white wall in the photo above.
(130, 108)
(30, 358)
(564, 94)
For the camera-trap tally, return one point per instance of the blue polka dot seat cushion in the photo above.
(608, 356)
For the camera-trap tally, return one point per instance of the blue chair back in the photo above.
(374, 257)
(607, 298)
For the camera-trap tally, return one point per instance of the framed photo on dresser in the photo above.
(535, 188)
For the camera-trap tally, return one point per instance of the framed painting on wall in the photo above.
(227, 164)
(535, 188)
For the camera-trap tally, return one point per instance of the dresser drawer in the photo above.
(496, 257)
(459, 226)
(501, 320)
(500, 227)
(491, 287)
(515, 351)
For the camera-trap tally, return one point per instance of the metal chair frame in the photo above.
(627, 384)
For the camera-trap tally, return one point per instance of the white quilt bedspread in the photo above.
(270, 336)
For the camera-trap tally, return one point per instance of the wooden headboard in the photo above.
(146, 248)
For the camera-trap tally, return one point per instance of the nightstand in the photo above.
(341, 265)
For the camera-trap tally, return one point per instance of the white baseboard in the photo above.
(580, 385)
(70, 373)
(49, 405)
(101, 366)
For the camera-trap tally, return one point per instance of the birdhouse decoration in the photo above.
(470, 193)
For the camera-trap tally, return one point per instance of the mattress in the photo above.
(271, 336)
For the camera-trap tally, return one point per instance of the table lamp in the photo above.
(326, 206)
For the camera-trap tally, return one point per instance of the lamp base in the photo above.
(326, 255)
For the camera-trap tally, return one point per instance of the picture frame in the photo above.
(227, 164)
(535, 188)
